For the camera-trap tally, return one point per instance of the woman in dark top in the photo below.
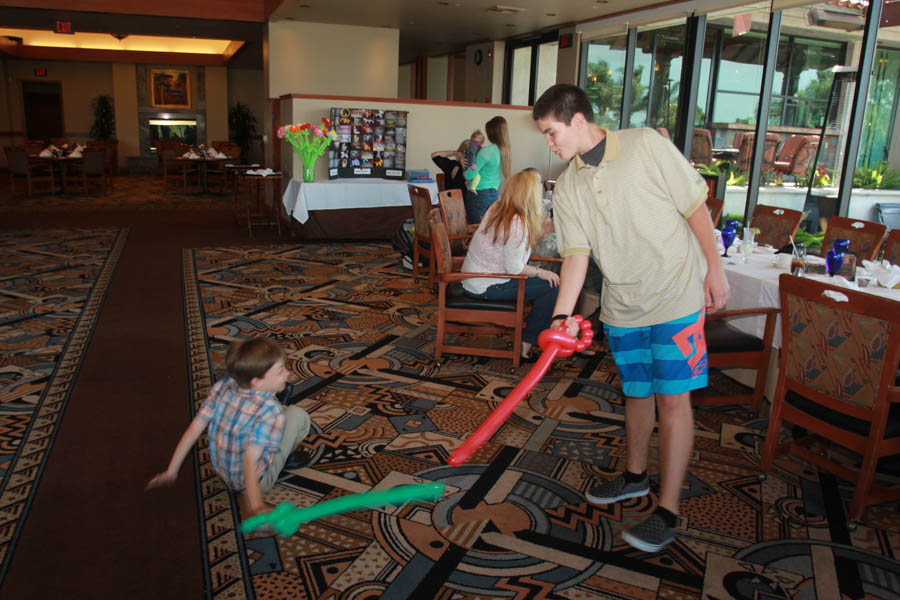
(452, 164)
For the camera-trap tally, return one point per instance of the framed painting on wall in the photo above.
(170, 88)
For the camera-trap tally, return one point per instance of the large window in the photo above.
(604, 78)
(530, 68)
(881, 108)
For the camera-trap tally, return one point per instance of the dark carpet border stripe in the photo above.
(71, 358)
(197, 344)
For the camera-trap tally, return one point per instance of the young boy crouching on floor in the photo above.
(252, 436)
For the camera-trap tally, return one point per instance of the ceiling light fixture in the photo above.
(501, 9)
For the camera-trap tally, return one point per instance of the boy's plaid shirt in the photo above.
(238, 417)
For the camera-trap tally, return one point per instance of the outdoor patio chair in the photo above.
(460, 314)
(421, 202)
(892, 247)
(32, 172)
(701, 148)
(776, 225)
(746, 154)
(793, 159)
(865, 237)
(837, 384)
(888, 214)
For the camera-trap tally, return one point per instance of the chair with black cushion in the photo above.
(460, 314)
(31, 171)
(776, 225)
(892, 247)
(421, 202)
(727, 347)
(865, 237)
(837, 384)
(715, 206)
(888, 214)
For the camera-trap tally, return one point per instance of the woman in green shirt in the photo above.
(491, 165)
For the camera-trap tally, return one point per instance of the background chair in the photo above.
(453, 216)
(865, 237)
(746, 151)
(776, 225)
(421, 203)
(838, 382)
(729, 347)
(787, 159)
(701, 148)
(34, 147)
(30, 171)
(715, 207)
(888, 214)
(460, 314)
(174, 167)
(92, 169)
(892, 247)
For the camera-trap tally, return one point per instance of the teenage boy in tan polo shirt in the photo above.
(634, 201)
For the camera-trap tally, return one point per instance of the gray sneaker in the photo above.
(616, 489)
(650, 535)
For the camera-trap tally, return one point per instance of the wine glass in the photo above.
(835, 257)
(728, 233)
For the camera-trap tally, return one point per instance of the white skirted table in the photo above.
(350, 208)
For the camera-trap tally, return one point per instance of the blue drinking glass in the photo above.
(833, 262)
(728, 234)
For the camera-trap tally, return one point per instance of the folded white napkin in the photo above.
(842, 281)
(836, 296)
(46, 153)
(886, 274)
(216, 154)
(263, 172)
(76, 153)
(189, 154)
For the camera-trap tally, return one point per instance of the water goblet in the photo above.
(833, 262)
(728, 233)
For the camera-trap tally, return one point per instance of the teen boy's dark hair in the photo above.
(561, 101)
(252, 358)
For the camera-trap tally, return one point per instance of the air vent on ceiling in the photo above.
(500, 9)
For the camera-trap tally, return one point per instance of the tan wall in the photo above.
(216, 103)
(436, 126)
(81, 83)
(246, 86)
(315, 58)
(404, 81)
(437, 78)
(126, 107)
(484, 82)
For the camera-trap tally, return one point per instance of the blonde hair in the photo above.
(463, 145)
(498, 134)
(476, 133)
(521, 198)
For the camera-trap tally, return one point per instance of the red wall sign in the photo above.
(64, 27)
(40, 72)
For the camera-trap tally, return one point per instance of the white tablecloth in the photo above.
(301, 197)
(755, 284)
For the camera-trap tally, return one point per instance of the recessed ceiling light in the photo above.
(443, 3)
(550, 14)
(510, 25)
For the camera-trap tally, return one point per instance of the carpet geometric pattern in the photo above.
(513, 521)
(52, 286)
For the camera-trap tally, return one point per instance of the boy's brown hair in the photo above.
(561, 102)
(251, 358)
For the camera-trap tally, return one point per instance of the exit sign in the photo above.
(64, 27)
(40, 72)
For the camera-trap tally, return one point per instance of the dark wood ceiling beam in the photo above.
(89, 55)
(228, 10)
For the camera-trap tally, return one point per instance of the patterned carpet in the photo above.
(513, 523)
(130, 192)
(52, 286)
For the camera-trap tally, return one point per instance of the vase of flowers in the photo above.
(309, 141)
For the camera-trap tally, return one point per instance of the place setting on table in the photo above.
(204, 157)
(60, 158)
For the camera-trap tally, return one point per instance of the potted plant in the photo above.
(241, 128)
(103, 131)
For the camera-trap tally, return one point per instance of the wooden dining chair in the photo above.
(461, 315)
(31, 171)
(776, 225)
(715, 206)
(838, 383)
(701, 148)
(865, 237)
(91, 169)
(892, 247)
(453, 215)
(422, 244)
(727, 347)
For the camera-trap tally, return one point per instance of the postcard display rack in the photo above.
(371, 143)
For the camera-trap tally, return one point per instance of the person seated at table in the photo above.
(452, 163)
(502, 244)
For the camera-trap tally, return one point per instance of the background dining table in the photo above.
(60, 166)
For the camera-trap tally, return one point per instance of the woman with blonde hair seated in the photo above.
(502, 244)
